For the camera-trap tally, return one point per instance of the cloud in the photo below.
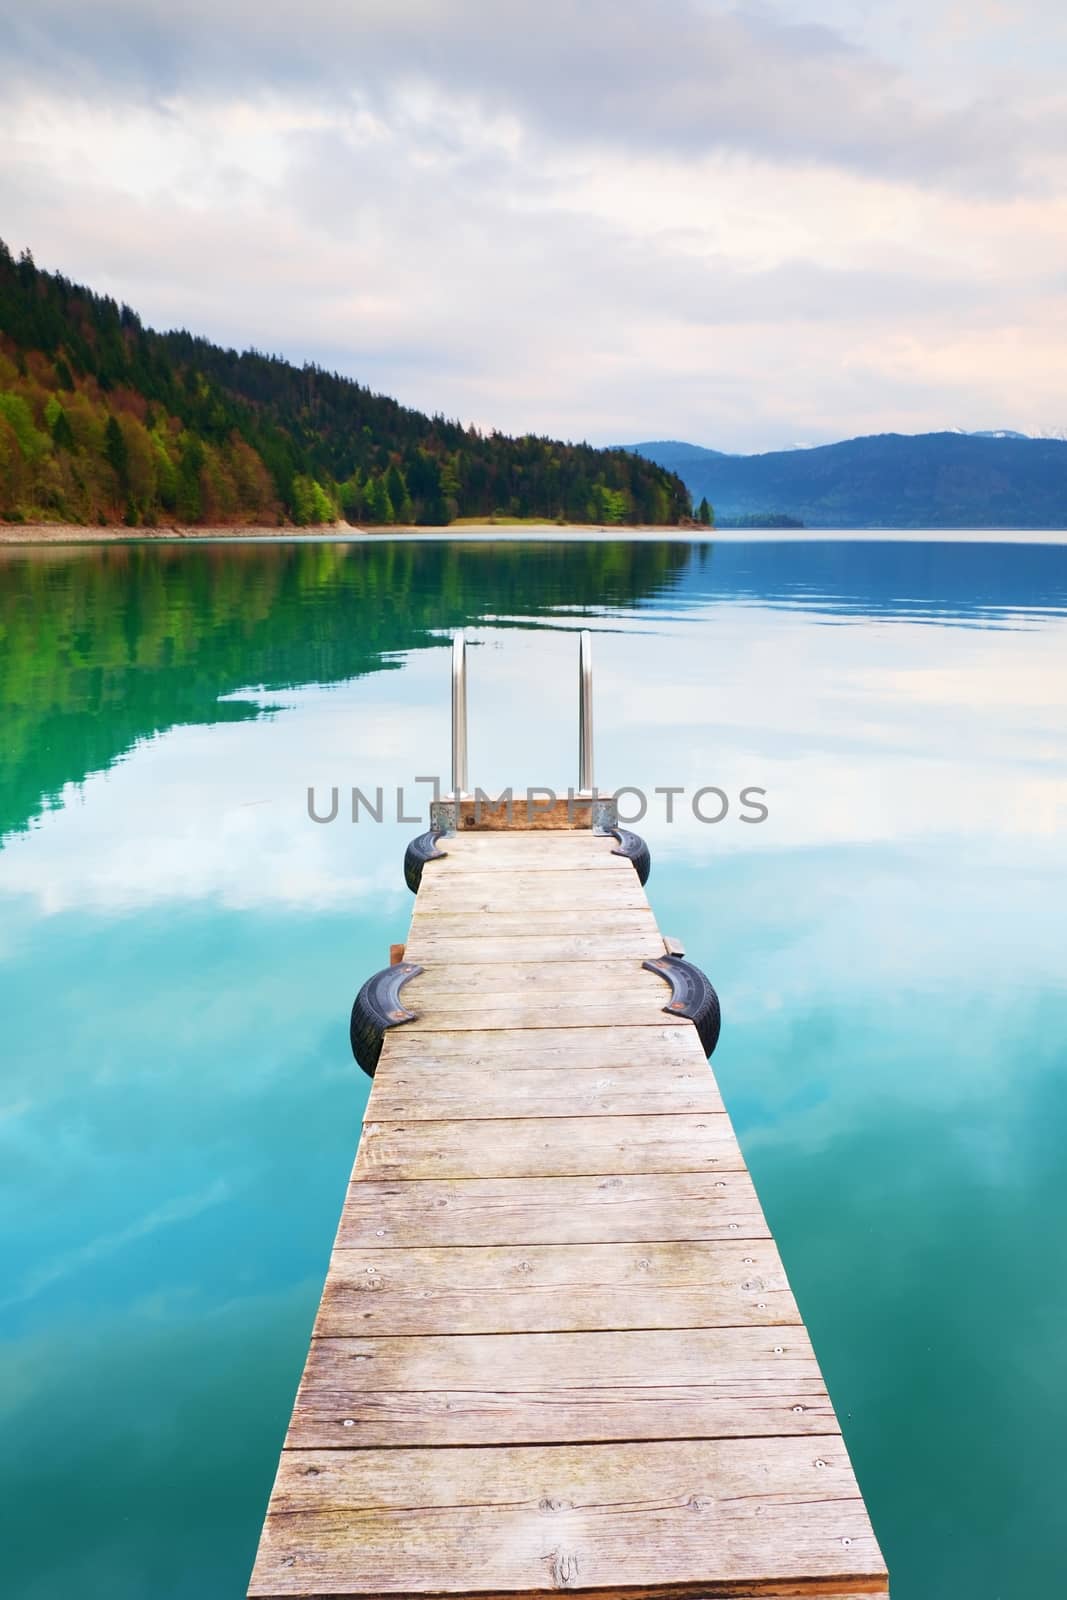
(734, 226)
(687, 80)
(227, 823)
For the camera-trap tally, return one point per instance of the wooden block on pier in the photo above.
(556, 1350)
(525, 811)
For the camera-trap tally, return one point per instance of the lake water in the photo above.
(180, 944)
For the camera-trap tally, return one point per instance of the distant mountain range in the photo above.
(889, 480)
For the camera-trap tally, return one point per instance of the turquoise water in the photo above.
(179, 947)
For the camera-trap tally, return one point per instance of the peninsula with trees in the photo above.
(103, 421)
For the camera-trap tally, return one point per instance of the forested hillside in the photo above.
(103, 420)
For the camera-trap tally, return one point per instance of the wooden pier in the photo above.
(556, 1349)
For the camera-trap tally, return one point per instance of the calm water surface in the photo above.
(179, 947)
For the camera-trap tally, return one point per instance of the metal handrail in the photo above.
(585, 712)
(459, 715)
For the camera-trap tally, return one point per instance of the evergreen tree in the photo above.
(705, 514)
(188, 501)
(115, 451)
(350, 494)
(399, 499)
(379, 506)
(62, 436)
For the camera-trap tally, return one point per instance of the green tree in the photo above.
(62, 434)
(116, 453)
(450, 487)
(397, 490)
(705, 513)
(379, 506)
(311, 504)
(188, 502)
(610, 504)
(350, 494)
(32, 442)
(424, 483)
(12, 471)
(166, 475)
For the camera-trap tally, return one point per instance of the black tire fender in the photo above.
(377, 1007)
(634, 848)
(419, 851)
(692, 996)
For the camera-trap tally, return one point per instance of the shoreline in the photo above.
(331, 532)
(37, 534)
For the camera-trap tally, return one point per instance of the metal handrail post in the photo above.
(459, 715)
(585, 712)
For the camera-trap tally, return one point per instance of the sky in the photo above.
(749, 226)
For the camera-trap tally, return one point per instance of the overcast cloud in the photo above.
(746, 226)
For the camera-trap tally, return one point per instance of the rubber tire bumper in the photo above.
(419, 851)
(634, 848)
(377, 1008)
(692, 996)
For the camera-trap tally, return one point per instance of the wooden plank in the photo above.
(530, 853)
(506, 857)
(521, 862)
(587, 1210)
(660, 1045)
(484, 1414)
(645, 1520)
(548, 1147)
(599, 886)
(530, 1388)
(482, 944)
(417, 1089)
(767, 1358)
(511, 921)
(554, 1288)
(569, 863)
(655, 1048)
(581, 841)
(568, 1010)
(613, 979)
(552, 895)
(642, 1003)
(503, 891)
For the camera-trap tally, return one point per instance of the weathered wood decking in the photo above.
(556, 1348)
